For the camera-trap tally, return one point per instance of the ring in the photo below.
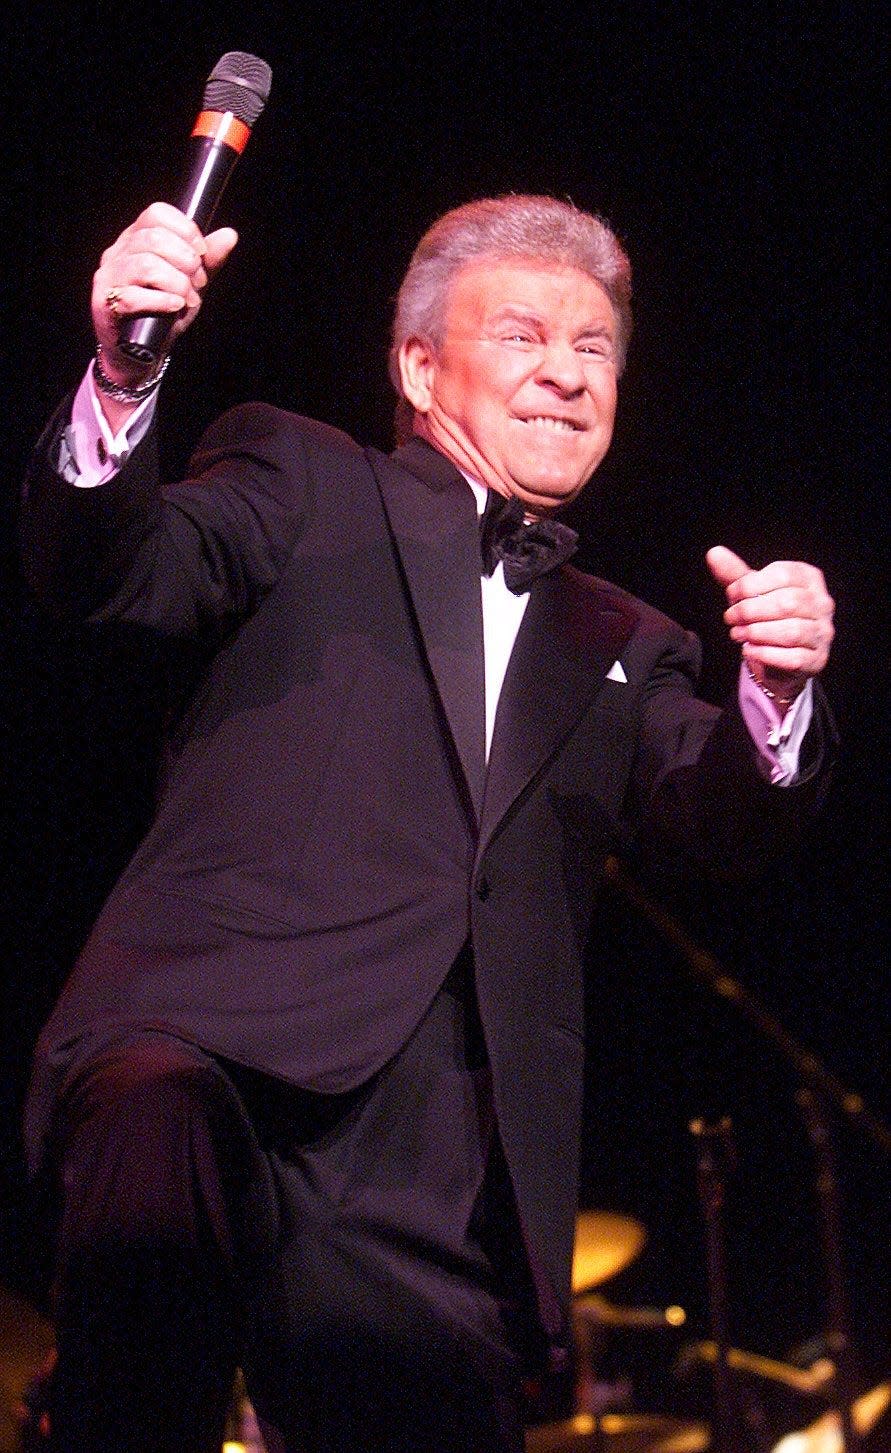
(112, 298)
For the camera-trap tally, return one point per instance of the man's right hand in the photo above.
(160, 264)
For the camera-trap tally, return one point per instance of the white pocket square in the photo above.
(615, 673)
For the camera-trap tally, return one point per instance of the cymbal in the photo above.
(619, 1433)
(605, 1243)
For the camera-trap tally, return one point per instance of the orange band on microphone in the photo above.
(222, 126)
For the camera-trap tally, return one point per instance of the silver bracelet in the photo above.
(118, 391)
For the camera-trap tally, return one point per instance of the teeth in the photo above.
(563, 426)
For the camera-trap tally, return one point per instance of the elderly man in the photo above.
(310, 1099)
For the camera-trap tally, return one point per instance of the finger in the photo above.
(170, 219)
(778, 575)
(219, 245)
(180, 252)
(156, 288)
(790, 601)
(151, 270)
(785, 632)
(132, 299)
(724, 565)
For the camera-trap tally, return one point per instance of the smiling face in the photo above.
(522, 393)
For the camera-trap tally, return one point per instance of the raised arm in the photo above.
(160, 264)
(102, 538)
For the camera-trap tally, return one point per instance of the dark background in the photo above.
(738, 156)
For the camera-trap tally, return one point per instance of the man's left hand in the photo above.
(781, 616)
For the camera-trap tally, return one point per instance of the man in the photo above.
(311, 1097)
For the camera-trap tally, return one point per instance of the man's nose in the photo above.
(561, 368)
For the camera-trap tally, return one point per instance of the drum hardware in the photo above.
(607, 1314)
(605, 1244)
(827, 1433)
(715, 1163)
(619, 1433)
(822, 1094)
(593, 1317)
(813, 1108)
(809, 1381)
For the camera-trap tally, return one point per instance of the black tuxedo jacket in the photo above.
(328, 836)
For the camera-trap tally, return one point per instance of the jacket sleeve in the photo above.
(699, 789)
(190, 559)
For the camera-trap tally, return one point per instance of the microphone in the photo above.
(237, 90)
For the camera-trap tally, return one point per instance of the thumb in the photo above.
(724, 565)
(218, 245)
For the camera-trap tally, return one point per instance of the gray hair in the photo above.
(537, 228)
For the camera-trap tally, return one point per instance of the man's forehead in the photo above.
(484, 285)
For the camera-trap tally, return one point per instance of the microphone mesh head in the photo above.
(238, 83)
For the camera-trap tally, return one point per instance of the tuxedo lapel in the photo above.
(432, 514)
(571, 634)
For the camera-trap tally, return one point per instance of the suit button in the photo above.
(483, 888)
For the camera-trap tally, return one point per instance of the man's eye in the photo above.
(597, 350)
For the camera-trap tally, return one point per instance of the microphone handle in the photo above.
(210, 163)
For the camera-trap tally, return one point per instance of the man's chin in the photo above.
(545, 495)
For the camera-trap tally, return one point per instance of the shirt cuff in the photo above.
(778, 738)
(89, 453)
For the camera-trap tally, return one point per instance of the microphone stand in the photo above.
(838, 1330)
(708, 970)
(818, 1087)
(715, 1160)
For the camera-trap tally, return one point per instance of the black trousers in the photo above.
(358, 1255)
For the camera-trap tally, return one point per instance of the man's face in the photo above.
(522, 393)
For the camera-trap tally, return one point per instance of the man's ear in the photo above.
(417, 365)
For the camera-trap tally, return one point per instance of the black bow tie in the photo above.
(526, 550)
